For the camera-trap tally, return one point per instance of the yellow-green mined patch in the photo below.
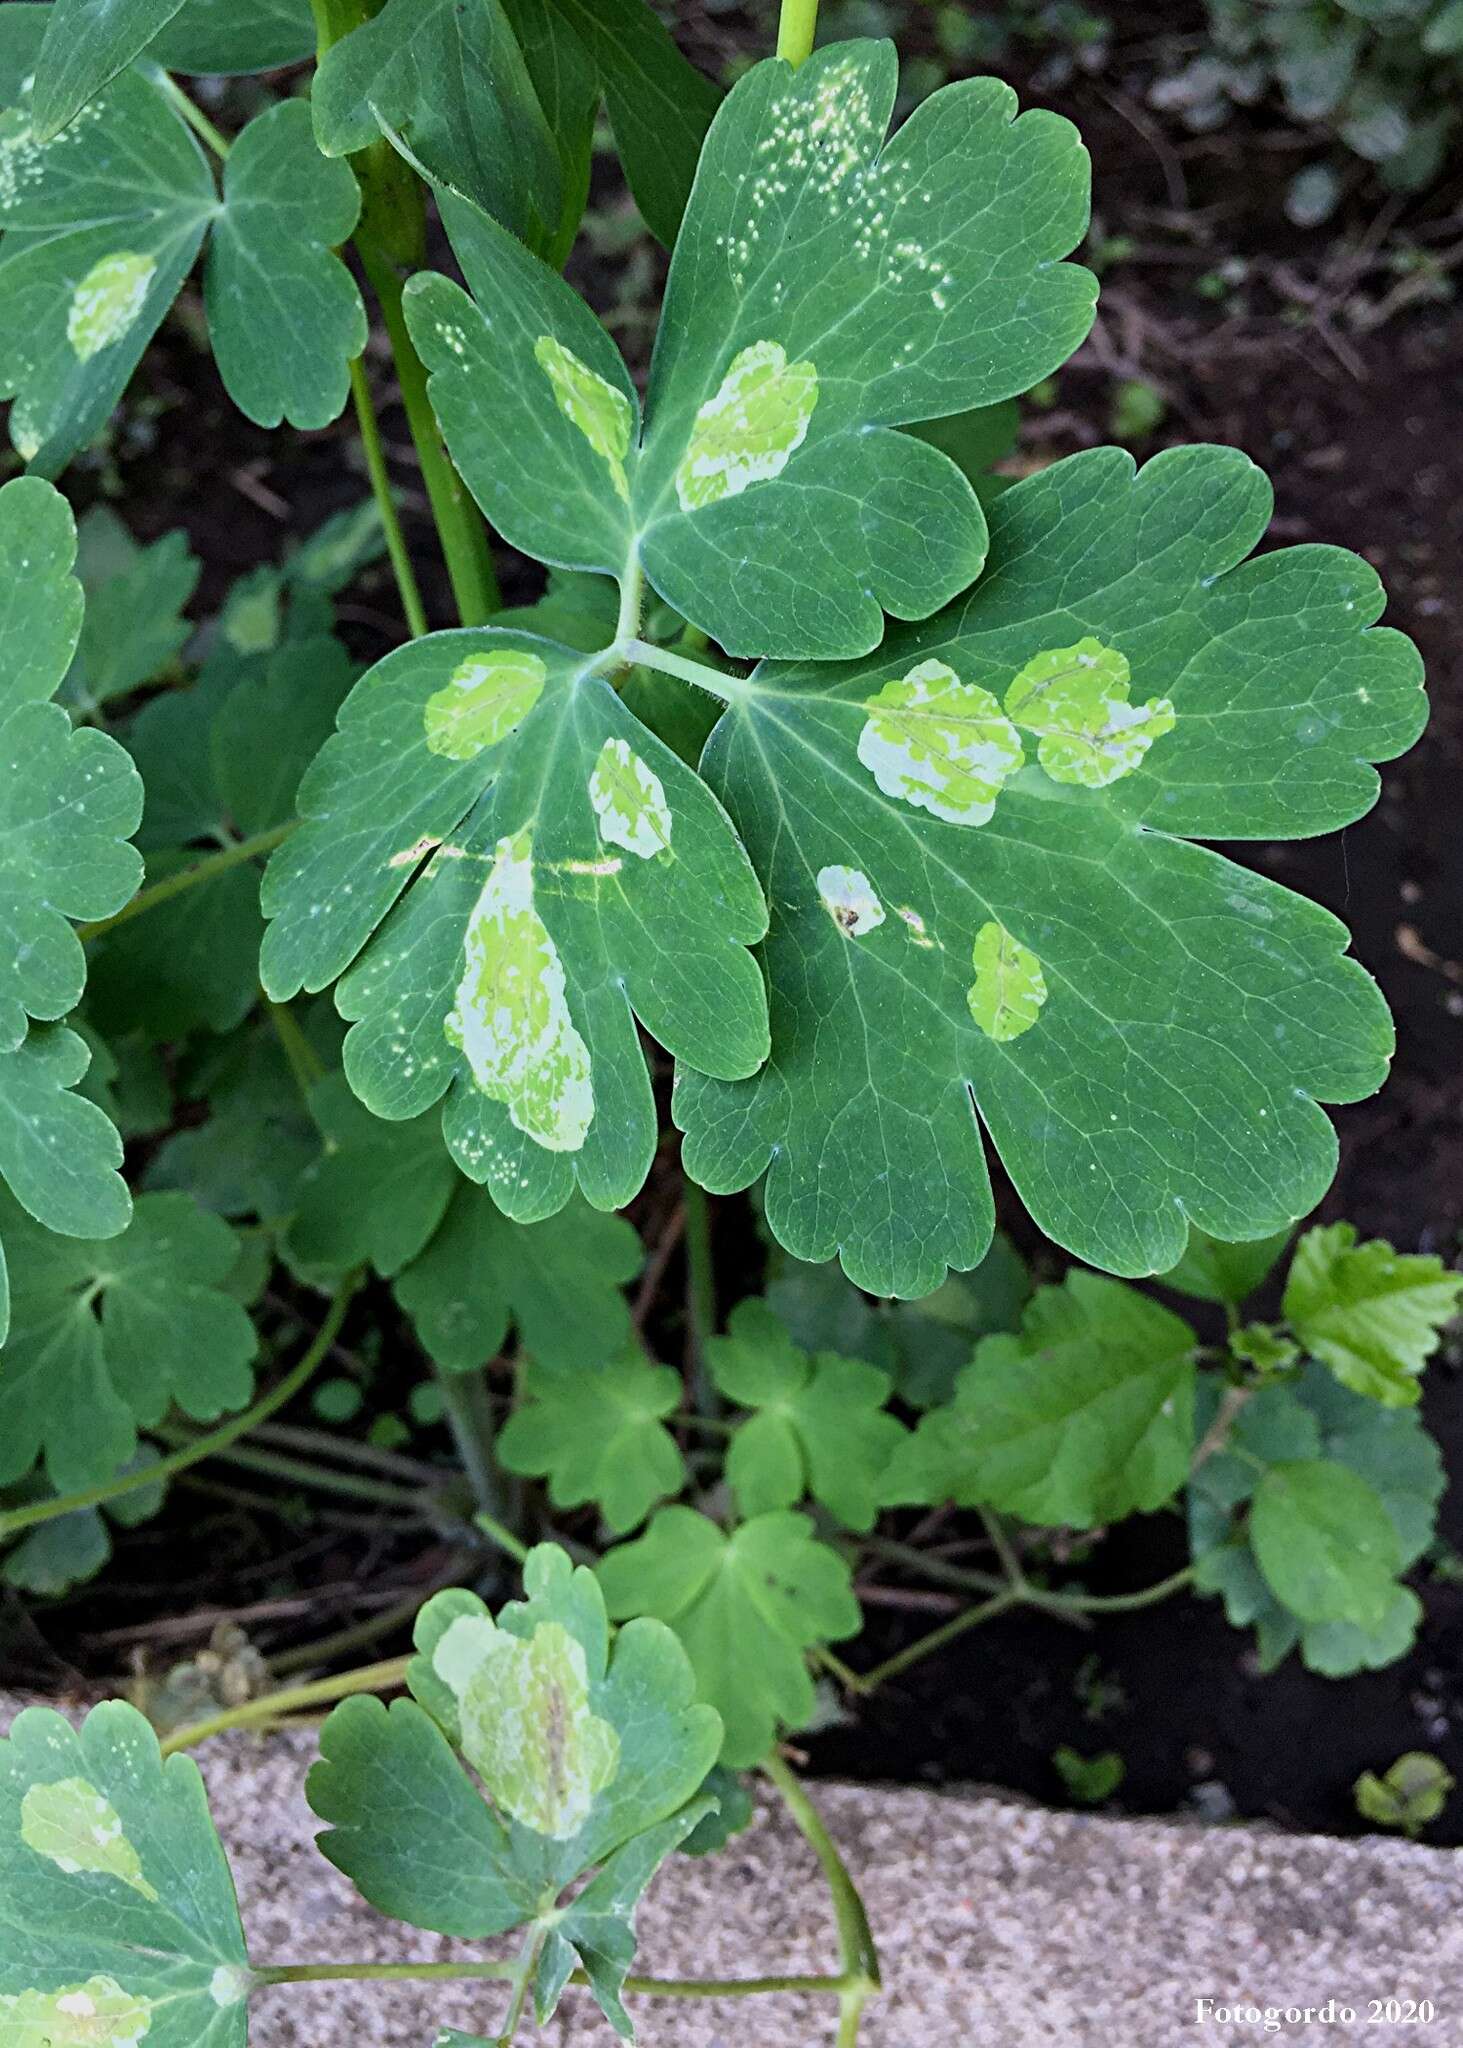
(511, 1016)
(96, 2014)
(939, 744)
(527, 1725)
(1009, 988)
(485, 697)
(603, 415)
(629, 801)
(107, 302)
(749, 430)
(1076, 699)
(849, 898)
(74, 1827)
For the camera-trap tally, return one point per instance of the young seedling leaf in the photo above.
(559, 1282)
(1373, 1315)
(284, 315)
(105, 1337)
(957, 932)
(581, 1749)
(450, 84)
(824, 289)
(1086, 1416)
(746, 1608)
(1324, 1542)
(86, 43)
(1409, 1795)
(599, 1436)
(820, 1426)
(577, 875)
(235, 36)
(118, 1922)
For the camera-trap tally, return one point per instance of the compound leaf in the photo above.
(284, 314)
(116, 1905)
(86, 43)
(1371, 1314)
(232, 36)
(1086, 1416)
(580, 876)
(102, 226)
(449, 83)
(599, 1435)
(376, 1194)
(558, 1281)
(890, 817)
(820, 1426)
(824, 289)
(104, 1337)
(746, 1607)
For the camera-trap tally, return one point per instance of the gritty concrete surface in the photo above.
(1000, 1926)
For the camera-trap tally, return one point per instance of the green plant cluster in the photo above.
(863, 796)
(1383, 77)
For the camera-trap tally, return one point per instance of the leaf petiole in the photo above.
(795, 29)
(197, 120)
(644, 654)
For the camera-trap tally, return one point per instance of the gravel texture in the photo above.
(1000, 1926)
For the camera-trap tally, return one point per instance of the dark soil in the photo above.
(1352, 402)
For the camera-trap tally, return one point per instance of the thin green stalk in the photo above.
(795, 28)
(197, 120)
(524, 1968)
(359, 1636)
(318, 1693)
(201, 1447)
(189, 878)
(469, 1415)
(460, 528)
(504, 1538)
(700, 1296)
(1118, 1603)
(466, 1972)
(396, 548)
(304, 1062)
(645, 654)
(354, 1486)
(937, 1639)
(860, 1979)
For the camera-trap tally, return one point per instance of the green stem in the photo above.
(460, 528)
(504, 1538)
(524, 1968)
(502, 1973)
(860, 1978)
(396, 548)
(913, 1653)
(304, 1062)
(319, 1692)
(354, 1486)
(1116, 1603)
(469, 1414)
(644, 654)
(197, 120)
(189, 878)
(201, 1447)
(632, 599)
(700, 1296)
(795, 27)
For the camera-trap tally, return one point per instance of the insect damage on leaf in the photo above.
(602, 414)
(1076, 699)
(527, 1725)
(107, 302)
(940, 744)
(850, 900)
(750, 429)
(96, 2014)
(629, 801)
(486, 696)
(77, 1829)
(1009, 987)
(511, 1018)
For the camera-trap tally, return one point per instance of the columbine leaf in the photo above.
(87, 42)
(377, 1193)
(599, 1436)
(582, 876)
(104, 1337)
(116, 1903)
(224, 36)
(135, 598)
(582, 1751)
(67, 1550)
(891, 825)
(558, 1281)
(746, 1607)
(1086, 1416)
(659, 105)
(99, 257)
(284, 315)
(822, 291)
(1371, 1314)
(450, 83)
(820, 1426)
(249, 1156)
(190, 963)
